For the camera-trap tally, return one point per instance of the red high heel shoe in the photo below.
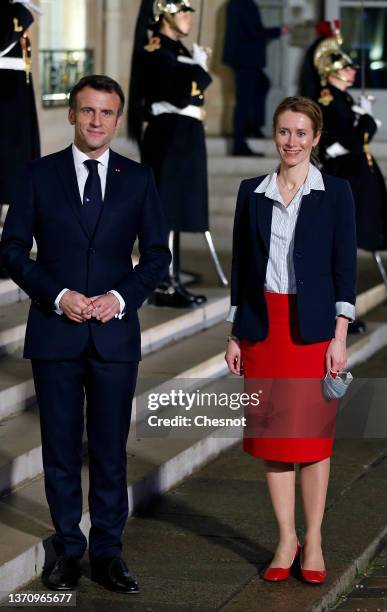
(312, 576)
(277, 574)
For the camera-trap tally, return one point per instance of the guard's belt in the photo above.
(196, 112)
(12, 63)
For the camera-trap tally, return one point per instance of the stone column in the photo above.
(112, 58)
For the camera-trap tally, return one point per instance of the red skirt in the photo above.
(292, 422)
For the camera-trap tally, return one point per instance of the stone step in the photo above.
(227, 185)
(199, 357)
(222, 205)
(17, 391)
(242, 167)
(154, 466)
(160, 327)
(191, 361)
(221, 226)
(10, 292)
(12, 326)
(221, 147)
(245, 167)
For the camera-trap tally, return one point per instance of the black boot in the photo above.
(172, 292)
(172, 297)
(199, 299)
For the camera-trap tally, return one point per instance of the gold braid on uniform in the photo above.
(25, 42)
(153, 44)
(366, 149)
(325, 97)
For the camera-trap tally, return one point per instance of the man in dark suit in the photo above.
(245, 51)
(86, 206)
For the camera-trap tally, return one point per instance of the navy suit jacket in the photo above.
(246, 37)
(48, 207)
(324, 259)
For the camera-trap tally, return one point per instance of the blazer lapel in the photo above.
(68, 177)
(113, 180)
(263, 208)
(113, 185)
(307, 213)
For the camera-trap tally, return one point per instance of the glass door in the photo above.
(64, 56)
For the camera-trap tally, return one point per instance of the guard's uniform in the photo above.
(19, 135)
(174, 143)
(345, 153)
(244, 51)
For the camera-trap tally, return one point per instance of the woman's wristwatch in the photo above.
(231, 337)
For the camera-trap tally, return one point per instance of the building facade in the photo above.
(78, 36)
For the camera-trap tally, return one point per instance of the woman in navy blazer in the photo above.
(292, 296)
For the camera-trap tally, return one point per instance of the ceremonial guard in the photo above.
(19, 134)
(345, 152)
(244, 51)
(168, 84)
(18, 120)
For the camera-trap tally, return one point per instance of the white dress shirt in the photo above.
(82, 174)
(280, 274)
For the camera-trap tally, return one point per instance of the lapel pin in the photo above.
(117, 170)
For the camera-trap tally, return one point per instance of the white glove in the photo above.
(200, 56)
(184, 59)
(29, 5)
(366, 104)
(358, 110)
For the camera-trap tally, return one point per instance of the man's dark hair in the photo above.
(99, 82)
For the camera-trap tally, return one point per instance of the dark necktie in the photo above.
(92, 195)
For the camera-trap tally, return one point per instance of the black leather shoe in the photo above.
(199, 299)
(173, 297)
(113, 574)
(357, 327)
(64, 575)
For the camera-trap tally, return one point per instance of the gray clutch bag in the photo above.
(336, 387)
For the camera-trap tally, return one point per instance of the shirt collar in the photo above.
(80, 157)
(314, 180)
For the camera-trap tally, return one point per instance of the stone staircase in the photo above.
(184, 347)
(178, 347)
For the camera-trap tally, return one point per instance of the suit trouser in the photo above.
(251, 88)
(61, 387)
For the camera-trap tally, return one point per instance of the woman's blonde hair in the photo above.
(306, 106)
